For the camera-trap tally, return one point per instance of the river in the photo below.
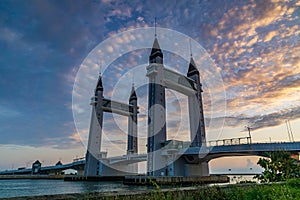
(33, 187)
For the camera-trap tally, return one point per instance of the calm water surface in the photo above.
(27, 187)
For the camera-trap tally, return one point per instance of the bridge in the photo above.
(164, 157)
(191, 155)
(257, 149)
(56, 169)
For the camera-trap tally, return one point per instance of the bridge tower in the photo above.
(197, 126)
(156, 112)
(96, 161)
(162, 157)
(93, 154)
(132, 142)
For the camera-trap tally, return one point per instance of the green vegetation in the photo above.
(278, 167)
(285, 191)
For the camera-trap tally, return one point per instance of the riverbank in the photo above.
(285, 190)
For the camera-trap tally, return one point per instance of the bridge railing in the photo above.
(231, 141)
(78, 159)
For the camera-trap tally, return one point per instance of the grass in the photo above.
(289, 190)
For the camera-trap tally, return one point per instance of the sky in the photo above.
(50, 61)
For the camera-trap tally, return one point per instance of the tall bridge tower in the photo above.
(156, 110)
(160, 78)
(93, 154)
(132, 144)
(197, 126)
(96, 165)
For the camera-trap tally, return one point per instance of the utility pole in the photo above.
(289, 129)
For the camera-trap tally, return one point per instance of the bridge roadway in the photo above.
(48, 169)
(196, 154)
(258, 149)
(191, 154)
(211, 152)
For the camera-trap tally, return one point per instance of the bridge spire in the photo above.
(192, 68)
(155, 27)
(156, 55)
(191, 53)
(132, 93)
(99, 86)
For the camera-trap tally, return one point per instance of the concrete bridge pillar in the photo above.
(132, 141)
(93, 154)
(197, 126)
(156, 165)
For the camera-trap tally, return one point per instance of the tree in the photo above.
(278, 167)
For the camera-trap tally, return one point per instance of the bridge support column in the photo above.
(94, 144)
(132, 142)
(194, 116)
(80, 172)
(94, 154)
(180, 167)
(197, 125)
(156, 165)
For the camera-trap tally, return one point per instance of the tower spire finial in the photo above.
(100, 69)
(155, 26)
(132, 80)
(191, 53)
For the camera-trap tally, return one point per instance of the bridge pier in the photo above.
(80, 172)
(200, 169)
(180, 167)
(105, 169)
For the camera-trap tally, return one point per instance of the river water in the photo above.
(33, 187)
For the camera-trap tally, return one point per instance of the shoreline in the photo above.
(275, 190)
(149, 193)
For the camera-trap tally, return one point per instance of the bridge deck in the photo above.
(203, 154)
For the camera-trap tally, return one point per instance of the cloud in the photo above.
(262, 121)
(255, 45)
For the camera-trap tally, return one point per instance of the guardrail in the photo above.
(231, 141)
